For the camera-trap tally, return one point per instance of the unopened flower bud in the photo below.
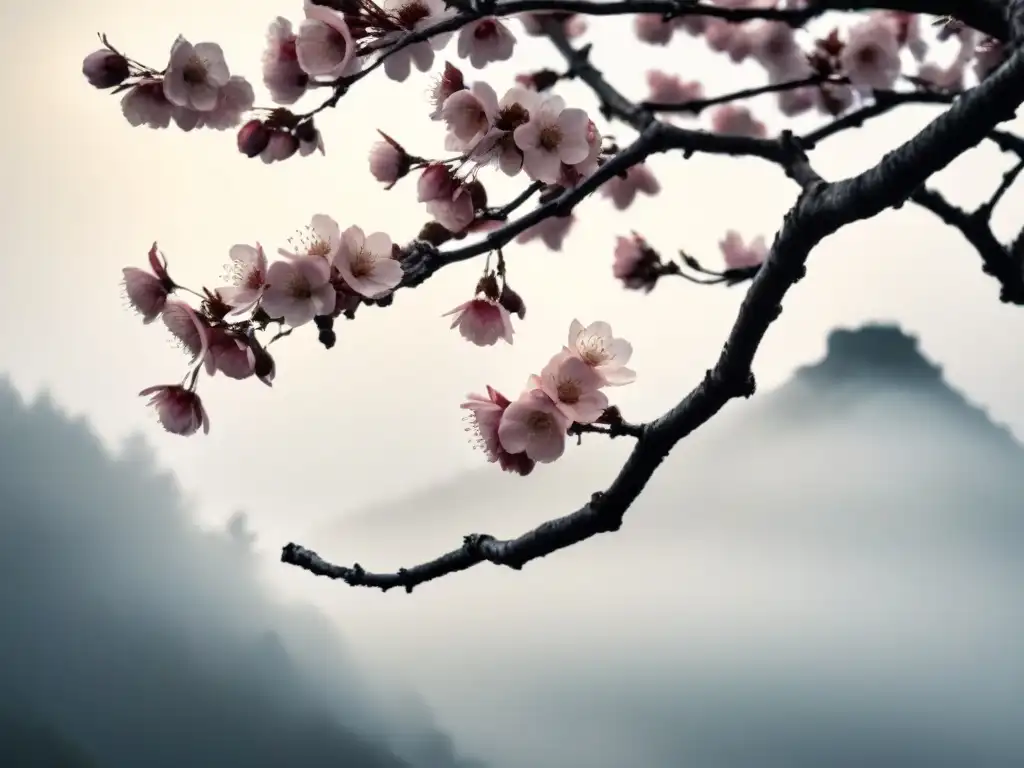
(282, 118)
(434, 233)
(512, 301)
(306, 132)
(488, 286)
(262, 363)
(477, 194)
(253, 138)
(541, 80)
(389, 161)
(105, 69)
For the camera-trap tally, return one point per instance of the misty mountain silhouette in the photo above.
(131, 638)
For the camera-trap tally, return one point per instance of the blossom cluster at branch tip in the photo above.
(569, 390)
(325, 272)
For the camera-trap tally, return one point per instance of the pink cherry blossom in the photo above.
(628, 256)
(322, 239)
(366, 263)
(553, 135)
(498, 146)
(721, 35)
(692, 25)
(574, 387)
(552, 231)
(596, 346)
(414, 15)
(482, 321)
(234, 99)
(467, 115)
(435, 183)
(797, 101)
(732, 120)
(774, 47)
(670, 89)
(228, 354)
(448, 82)
(195, 75)
(871, 56)
(145, 104)
(623, 190)
(573, 175)
(389, 162)
(179, 410)
(573, 24)
(533, 425)
(652, 28)
(282, 74)
(455, 210)
(738, 255)
(324, 46)
(247, 275)
(147, 292)
(190, 331)
(484, 41)
(484, 417)
(280, 146)
(298, 289)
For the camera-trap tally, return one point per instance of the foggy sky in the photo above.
(141, 639)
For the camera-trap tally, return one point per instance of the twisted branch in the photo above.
(822, 209)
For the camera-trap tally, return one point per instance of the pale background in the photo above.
(378, 415)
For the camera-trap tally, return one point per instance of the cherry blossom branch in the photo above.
(884, 101)
(997, 260)
(502, 213)
(696, 106)
(821, 210)
(422, 259)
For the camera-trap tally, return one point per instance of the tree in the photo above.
(847, 68)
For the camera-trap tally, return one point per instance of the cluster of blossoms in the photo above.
(569, 390)
(195, 90)
(528, 130)
(847, 65)
(327, 272)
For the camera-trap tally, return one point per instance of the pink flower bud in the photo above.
(253, 138)
(105, 69)
(389, 162)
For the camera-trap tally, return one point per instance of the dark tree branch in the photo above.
(996, 259)
(985, 210)
(696, 106)
(821, 210)
(884, 101)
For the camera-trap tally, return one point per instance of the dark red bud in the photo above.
(477, 194)
(434, 233)
(253, 138)
(488, 286)
(512, 301)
